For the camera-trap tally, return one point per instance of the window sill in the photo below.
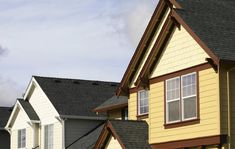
(182, 123)
(143, 116)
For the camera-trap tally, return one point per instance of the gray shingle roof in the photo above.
(214, 22)
(5, 113)
(28, 109)
(133, 134)
(76, 97)
(113, 102)
(87, 141)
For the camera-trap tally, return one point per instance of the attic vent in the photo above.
(57, 81)
(113, 84)
(76, 82)
(95, 83)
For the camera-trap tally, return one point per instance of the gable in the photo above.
(20, 119)
(148, 50)
(42, 105)
(113, 143)
(181, 52)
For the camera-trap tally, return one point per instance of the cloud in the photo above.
(87, 39)
(9, 90)
(3, 51)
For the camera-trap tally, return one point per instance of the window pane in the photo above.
(173, 89)
(23, 137)
(143, 102)
(190, 107)
(174, 111)
(189, 85)
(19, 138)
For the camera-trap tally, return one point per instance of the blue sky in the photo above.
(85, 39)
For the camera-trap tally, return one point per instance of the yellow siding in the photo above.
(132, 108)
(115, 114)
(113, 144)
(232, 108)
(181, 52)
(209, 112)
(149, 48)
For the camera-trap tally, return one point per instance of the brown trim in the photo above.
(143, 44)
(182, 123)
(195, 37)
(161, 39)
(195, 142)
(101, 141)
(176, 4)
(180, 72)
(144, 116)
(115, 134)
(113, 107)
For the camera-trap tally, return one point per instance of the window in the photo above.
(181, 98)
(48, 131)
(21, 138)
(143, 106)
(125, 114)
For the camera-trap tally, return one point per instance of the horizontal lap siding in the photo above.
(113, 144)
(132, 106)
(181, 52)
(209, 112)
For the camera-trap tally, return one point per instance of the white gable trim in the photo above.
(18, 105)
(33, 84)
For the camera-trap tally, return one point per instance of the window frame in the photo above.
(182, 119)
(138, 102)
(47, 145)
(20, 141)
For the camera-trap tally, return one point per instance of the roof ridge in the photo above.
(127, 120)
(65, 78)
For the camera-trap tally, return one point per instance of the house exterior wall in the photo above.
(157, 32)
(113, 144)
(47, 115)
(132, 108)
(209, 107)
(21, 122)
(4, 139)
(75, 128)
(115, 114)
(181, 52)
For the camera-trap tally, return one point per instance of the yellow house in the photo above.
(181, 76)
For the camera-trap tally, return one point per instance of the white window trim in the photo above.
(182, 119)
(138, 98)
(182, 98)
(21, 138)
(52, 125)
(167, 107)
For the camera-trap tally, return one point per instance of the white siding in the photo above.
(21, 122)
(47, 115)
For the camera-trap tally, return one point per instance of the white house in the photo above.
(55, 112)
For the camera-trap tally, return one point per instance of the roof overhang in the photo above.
(64, 117)
(113, 107)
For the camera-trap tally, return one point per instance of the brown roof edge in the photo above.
(195, 37)
(175, 3)
(140, 47)
(113, 107)
(106, 130)
(158, 43)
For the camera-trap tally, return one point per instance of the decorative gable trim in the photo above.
(106, 133)
(142, 46)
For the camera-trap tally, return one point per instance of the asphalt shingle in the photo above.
(214, 22)
(76, 97)
(28, 109)
(5, 113)
(133, 134)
